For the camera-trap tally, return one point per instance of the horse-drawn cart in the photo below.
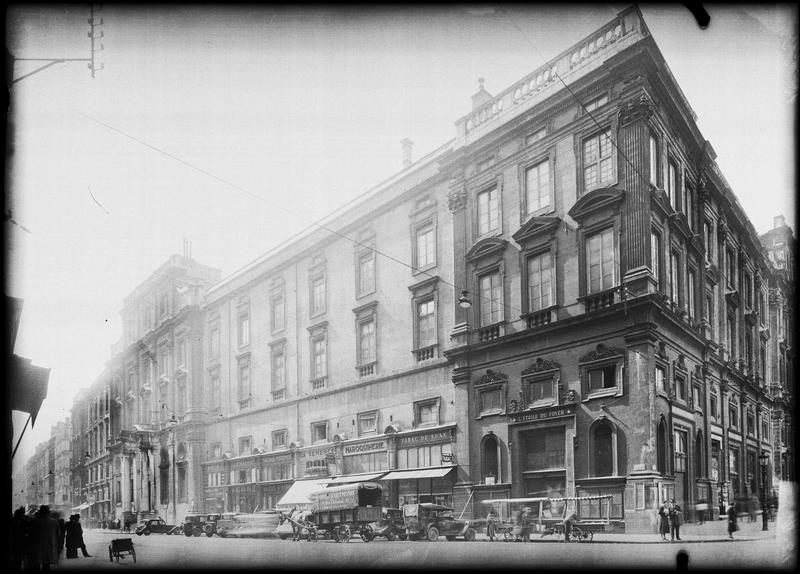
(119, 547)
(339, 512)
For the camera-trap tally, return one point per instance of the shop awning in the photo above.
(418, 473)
(350, 478)
(297, 495)
(83, 506)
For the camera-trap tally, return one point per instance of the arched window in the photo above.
(603, 450)
(662, 446)
(490, 458)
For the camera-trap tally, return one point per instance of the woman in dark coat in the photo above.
(663, 521)
(733, 524)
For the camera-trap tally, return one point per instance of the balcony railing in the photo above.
(319, 382)
(425, 353)
(539, 318)
(278, 394)
(368, 369)
(490, 332)
(597, 301)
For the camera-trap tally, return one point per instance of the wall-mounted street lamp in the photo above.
(464, 301)
(763, 459)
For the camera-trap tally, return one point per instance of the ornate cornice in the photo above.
(534, 227)
(641, 108)
(486, 247)
(597, 199)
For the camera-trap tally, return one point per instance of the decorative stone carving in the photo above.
(456, 200)
(601, 352)
(492, 377)
(680, 363)
(541, 365)
(641, 108)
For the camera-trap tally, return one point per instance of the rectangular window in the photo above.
(537, 187)
(278, 373)
(243, 331)
(545, 449)
(319, 360)
(317, 295)
(674, 277)
(602, 378)
(672, 184)
(751, 424)
(680, 388)
(600, 261)
(541, 390)
(653, 160)
(244, 384)
(731, 336)
(708, 232)
(277, 312)
(366, 342)
(367, 423)
(660, 377)
(213, 340)
(366, 272)
(426, 413)
(688, 194)
(319, 432)
(655, 256)
(748, 290)
(181, 406)
(426, 324)
(426, 247)
(733, 414)
(245, 445)
(540, 284)
(279, 438)
(696, 398)
(181, 352)
(690, 306)
(215, 391)
(731, 268)
(592, 105)
(597, 161)
(488, 219)
(680, 442)
(714, 405)
(710, 314)
(491, 400)
(765, 431)
(491, 299)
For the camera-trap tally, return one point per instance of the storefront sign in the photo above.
(279, 459)
(317, 452)
(364, 447)
(424, 438)
(543, 414)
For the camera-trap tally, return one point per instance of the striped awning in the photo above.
(350, 478)
(418, 473)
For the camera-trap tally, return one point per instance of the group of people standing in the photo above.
(670, 518)
(38, 540)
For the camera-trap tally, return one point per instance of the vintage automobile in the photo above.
(157, 525)
(210, 527)
(391, 525)
(429, 521)
(193, 524)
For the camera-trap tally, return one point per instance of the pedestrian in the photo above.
(61, 533)
(752, 503)
(72, 538)
(525, 524)
(675, 520)
(18, 536)
(491, 525)
(663, 521)
(81, 543)
(293, 516)
(569, 522)
(46, 528)
(127, 525)
(31, 550)
(700, 509)
(733, 524)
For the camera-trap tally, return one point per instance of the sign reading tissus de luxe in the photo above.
(543, 413)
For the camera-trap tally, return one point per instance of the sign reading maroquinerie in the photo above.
(542, 414)
(365, 447)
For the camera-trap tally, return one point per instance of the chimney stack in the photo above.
(481, 96)
(778, 221)
(187, 249)
(407, 145)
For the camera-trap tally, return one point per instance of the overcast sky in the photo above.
(305, 109)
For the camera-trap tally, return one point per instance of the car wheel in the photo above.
(391, 534)
(138, 533)
(469, 535)
(450, 537)
(169, 533)
(209, 530)
(147, 533)
(187, 532)
(223, 532)
(433, 534)
(197, 531)
(367, 534)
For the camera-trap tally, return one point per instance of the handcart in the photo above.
(582, 529)
(119, 547)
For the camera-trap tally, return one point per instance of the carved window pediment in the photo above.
(596, 200)
(536, 227)
(540, 365)
(492, 377)
(601, 352)
(491, 246)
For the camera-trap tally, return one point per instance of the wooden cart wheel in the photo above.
(589, 535)
(110, 555)
(469, 535)
(391, 534)
(507, 535)
(133, 553)
(367, 533)
(576, 534)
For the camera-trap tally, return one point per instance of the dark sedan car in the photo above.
(429, 521)
(391, 525)
(157, 525)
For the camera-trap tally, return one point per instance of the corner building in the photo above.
(618, 340)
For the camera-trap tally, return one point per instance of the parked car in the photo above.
(210, 527)
(430, 521)
(193, 524)
(157, 525)
(391, 524)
